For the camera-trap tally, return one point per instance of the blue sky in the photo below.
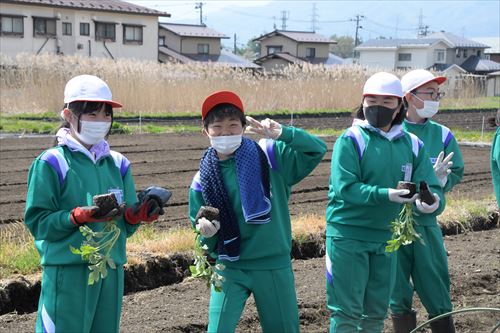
(391, 19)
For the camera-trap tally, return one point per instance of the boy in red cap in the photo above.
(250, 183)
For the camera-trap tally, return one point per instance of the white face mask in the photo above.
(91, 132)
(226, 145)
(429, 110)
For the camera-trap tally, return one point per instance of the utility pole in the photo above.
(314, 18)
(422, 29)
(235, 48)
(284, 17)
(199, 5)
(358, 19)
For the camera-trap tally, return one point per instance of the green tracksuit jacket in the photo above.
(495, 164)
(365, 164)
(426, 262)
(60, 179)
(267, 246)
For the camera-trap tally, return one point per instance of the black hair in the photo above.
(223, 111)
(359, 114)
(78, 108)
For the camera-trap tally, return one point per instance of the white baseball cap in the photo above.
(417, 78)
(88, 88)
(384, 84)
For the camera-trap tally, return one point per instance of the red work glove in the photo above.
(88, 214)
(147, 211)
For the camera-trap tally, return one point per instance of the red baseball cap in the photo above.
(220, 97)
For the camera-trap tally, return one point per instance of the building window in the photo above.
(440, 56)
(274, 49)
(457, 53)
(310, 52)
(203, 48)
(465, 53)
(132, 34)
(479, 53)
(404, 57)
(105, 31)
(12, 25)
(66, 29)
(161, 40)
(44, 26)
(84, 29)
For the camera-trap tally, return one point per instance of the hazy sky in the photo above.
(391, 19)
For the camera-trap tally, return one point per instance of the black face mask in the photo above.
(378, 116)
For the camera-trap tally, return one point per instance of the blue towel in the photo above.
(252, 170)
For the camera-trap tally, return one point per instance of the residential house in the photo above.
(437, 51)
(493, 52)
(187, 43)
(93, 28)
(281, 48)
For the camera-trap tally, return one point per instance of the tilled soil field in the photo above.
(171, 160)
(475, 274)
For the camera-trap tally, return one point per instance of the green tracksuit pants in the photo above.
(359, 284)
(427, 265)
(68, 304)
(274, 294)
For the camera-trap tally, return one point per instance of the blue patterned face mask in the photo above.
(227, 144)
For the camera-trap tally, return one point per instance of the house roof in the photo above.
(298, 36)
(332, 60)
(175, 55)
(456, 41)
(497, 73)
(192, 30)
(446, 68)
(397, 43)
(280, 55)
(225, 58)
(116, 6)
(492, 42)
(475, 64)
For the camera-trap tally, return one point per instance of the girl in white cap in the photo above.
(368, 160)
(61, 184)
(426, 262)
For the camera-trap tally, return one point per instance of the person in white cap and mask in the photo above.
(426, 262)
(368, 161)
(61, 184)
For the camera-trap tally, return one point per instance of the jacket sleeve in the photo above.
(457, 169)
(195, 202)
(130, 198)
(297, 153)
(495, 164)
(345, 178)
(43, 216)
(423, 170)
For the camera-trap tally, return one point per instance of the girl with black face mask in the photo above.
(368, 160)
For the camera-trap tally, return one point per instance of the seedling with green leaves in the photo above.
(202, 268)
(403, 232)
(96, 250)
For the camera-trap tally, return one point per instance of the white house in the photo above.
(438, 51)
(93, 28)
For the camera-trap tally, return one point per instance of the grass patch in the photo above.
(13, 125)
(463, 210)
(473, 136)
(18, 254)
(149, 239)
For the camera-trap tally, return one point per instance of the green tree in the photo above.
(250, 51)
(344, 47)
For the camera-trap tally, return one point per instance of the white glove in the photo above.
(207, 228)
(267, 127)
(425, 208)
(442, 167)
(395, 196)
